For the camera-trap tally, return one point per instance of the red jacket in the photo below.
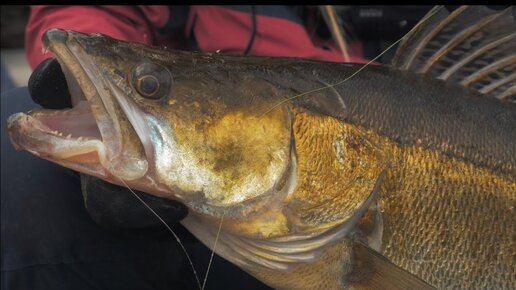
(279, 31)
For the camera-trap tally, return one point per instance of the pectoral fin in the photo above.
(373, 271)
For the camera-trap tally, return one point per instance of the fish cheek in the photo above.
(246, 144)
(241, 155)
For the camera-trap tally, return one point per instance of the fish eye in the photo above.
(151, 81)
(147, 86)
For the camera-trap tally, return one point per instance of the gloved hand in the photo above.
(47, 86)
(109, 205)
(116, 207)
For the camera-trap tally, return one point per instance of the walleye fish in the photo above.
(401, 177)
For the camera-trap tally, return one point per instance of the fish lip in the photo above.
(53, 35)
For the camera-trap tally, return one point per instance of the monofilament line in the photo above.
(355, 73)
(171, 231)
(213, 250)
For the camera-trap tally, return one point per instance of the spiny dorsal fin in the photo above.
(473, 46)
(373, 271)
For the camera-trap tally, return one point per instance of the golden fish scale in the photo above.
(337, 169)
(447, 221)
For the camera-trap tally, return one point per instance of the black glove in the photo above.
(109, 205)
(116, 207)
(47, 86)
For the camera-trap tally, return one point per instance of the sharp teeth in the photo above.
(69, 135)
(59, 133)
(79, 139)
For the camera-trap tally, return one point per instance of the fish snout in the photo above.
(54, 35)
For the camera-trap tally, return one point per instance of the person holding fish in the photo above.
(306, 174)
(54, 245)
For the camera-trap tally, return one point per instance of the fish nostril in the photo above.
(54, 35)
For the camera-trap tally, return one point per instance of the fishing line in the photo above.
(253, 30)
(355, 73)
(201, 287)
(213, 251)
(170, 229)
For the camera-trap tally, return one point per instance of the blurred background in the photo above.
(15, 69)
(375, 26)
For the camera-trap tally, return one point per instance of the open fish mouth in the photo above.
(69, 136)
(88, 137)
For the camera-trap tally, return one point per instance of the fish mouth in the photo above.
(69, 137)
(92, 136)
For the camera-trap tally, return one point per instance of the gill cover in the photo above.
(213, 147)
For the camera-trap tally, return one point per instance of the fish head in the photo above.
(179, 125)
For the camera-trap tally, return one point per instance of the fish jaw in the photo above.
(94, 137)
